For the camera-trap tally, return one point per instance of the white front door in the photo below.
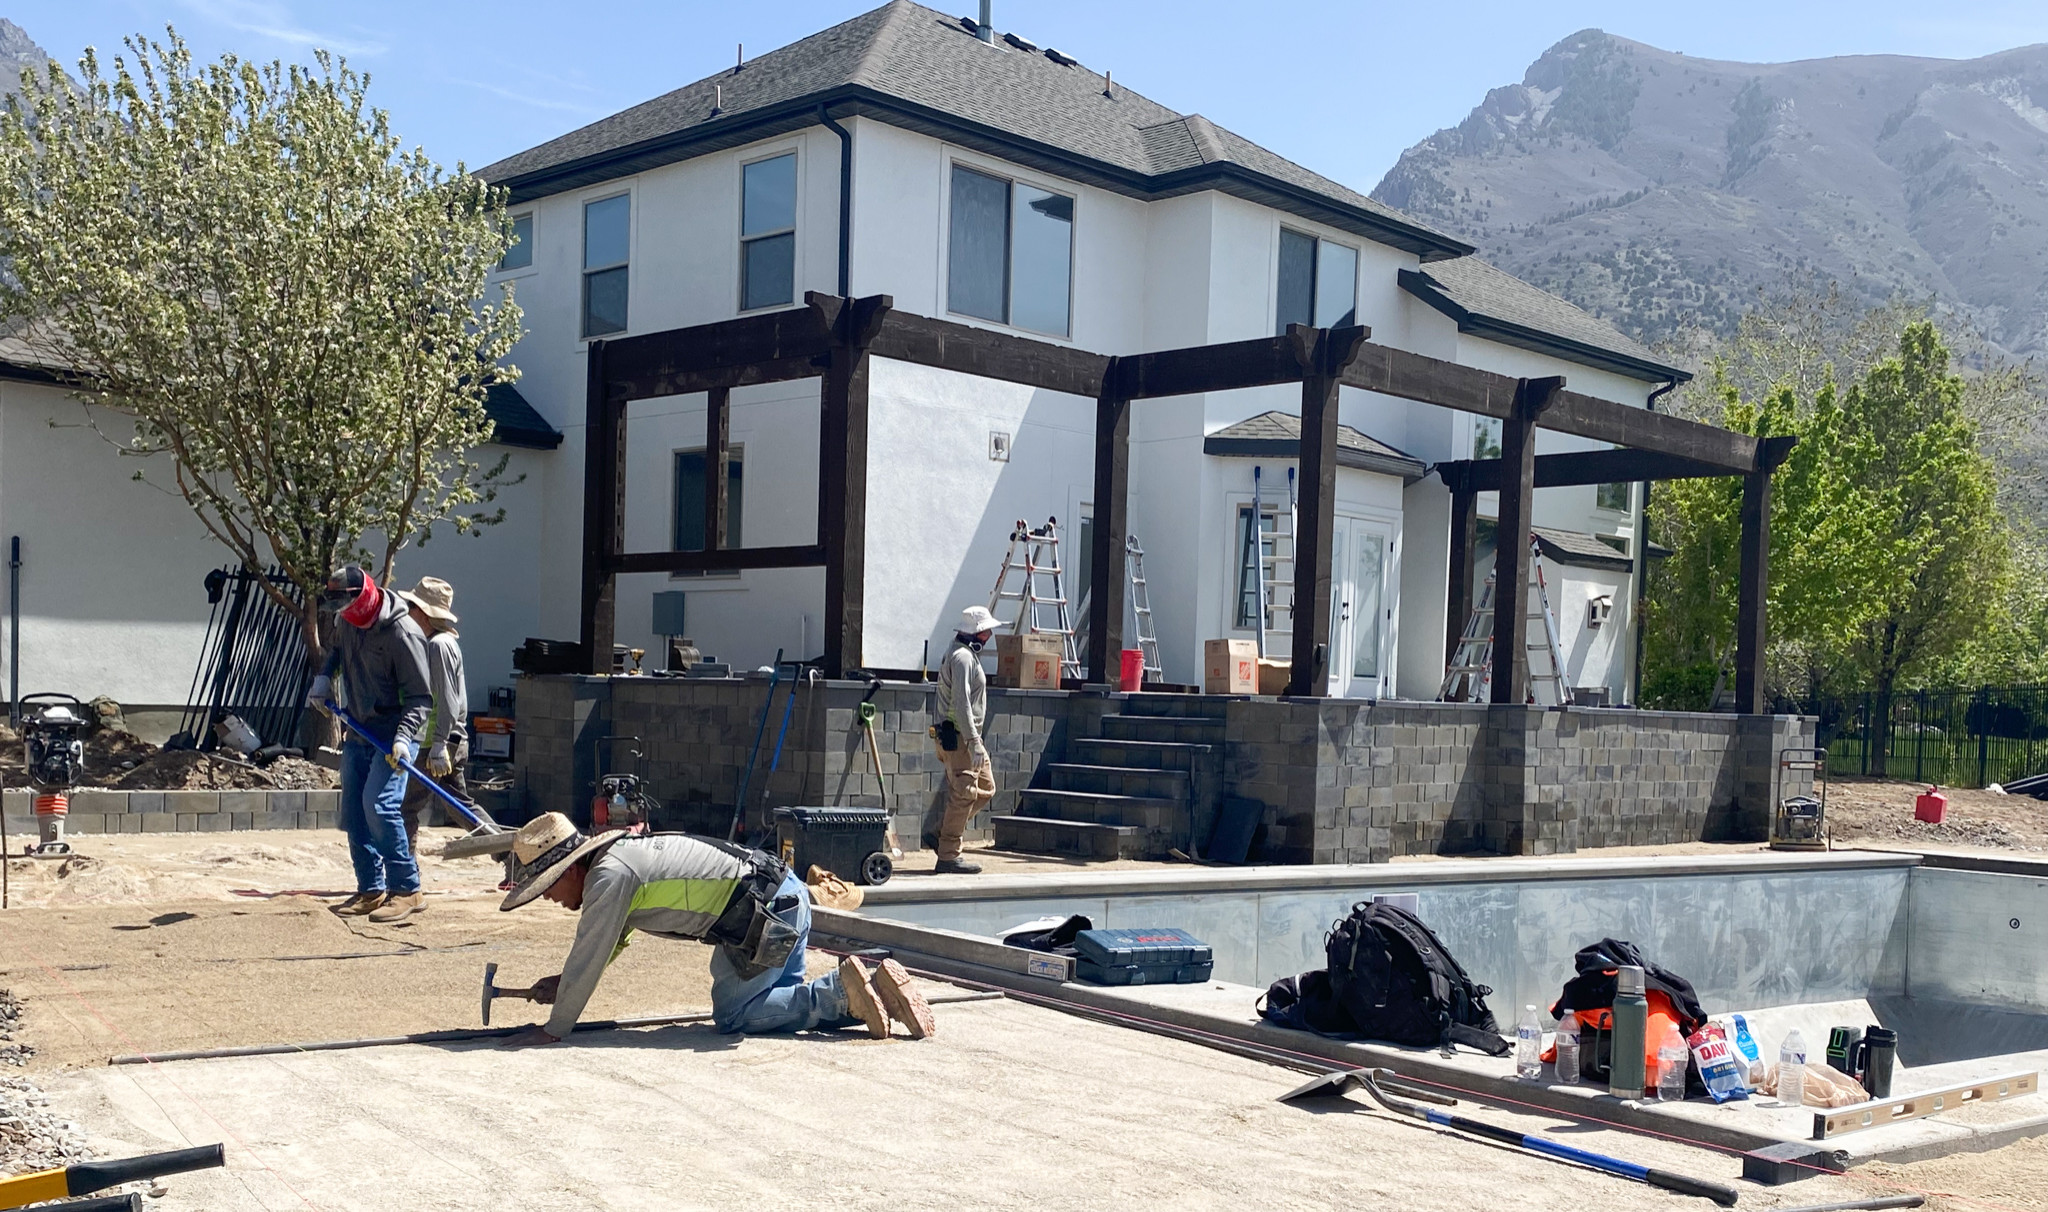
(1359, 611)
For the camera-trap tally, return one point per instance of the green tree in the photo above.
(289, 306)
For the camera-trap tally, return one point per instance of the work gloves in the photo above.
(402, 751)
(321, 693)
(978, 751)
(439, 764)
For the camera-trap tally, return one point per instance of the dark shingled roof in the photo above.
(917, 68)
(1585, 550)
(514, 421)
(1277, 435)
(1498, 306)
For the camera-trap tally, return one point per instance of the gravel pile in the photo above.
(30, 1137)
(12, 1051)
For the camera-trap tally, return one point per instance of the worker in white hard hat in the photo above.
(962, 709)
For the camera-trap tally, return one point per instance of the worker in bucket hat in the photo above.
(750, 907)
(431, 606)
(962, 708)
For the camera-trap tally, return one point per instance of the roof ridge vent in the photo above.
(1064, 60)
(1021, 43)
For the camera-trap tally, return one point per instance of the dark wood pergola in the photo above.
(832, 339)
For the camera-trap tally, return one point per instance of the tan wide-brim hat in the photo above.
(544, 848)
(434, 597)
(976, 619)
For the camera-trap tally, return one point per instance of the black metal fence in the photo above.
(1957, 738)
(252, 664)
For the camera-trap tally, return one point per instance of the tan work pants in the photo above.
(970, 785)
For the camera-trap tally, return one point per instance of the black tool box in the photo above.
(1157, 956)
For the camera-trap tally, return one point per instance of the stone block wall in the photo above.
(98, 811)
(1349, 782)
(696, 737)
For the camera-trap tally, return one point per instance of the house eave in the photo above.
(852, 100)
(1534, 339)
(1288, 450)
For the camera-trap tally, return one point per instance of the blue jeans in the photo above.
(372, 800)
(778, 999)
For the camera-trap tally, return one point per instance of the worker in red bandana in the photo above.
(380, 657)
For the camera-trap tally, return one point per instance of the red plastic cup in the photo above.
(1131, 673)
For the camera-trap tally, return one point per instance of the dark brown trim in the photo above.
(1511, 551)
(1106, 580)
(1523, 336)
(1587, 467)
(1464, 559)
(603, 517)
(843, 470)
(717, 465)
(730, 559)
(1322, 353)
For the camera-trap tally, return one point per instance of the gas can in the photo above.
(1931, 806)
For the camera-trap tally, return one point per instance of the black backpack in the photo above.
(1397, 983)
(1306, 1003)
(1594, 986)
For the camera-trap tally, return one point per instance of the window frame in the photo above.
(532, 217)
(735, 535)
(584, 270)
(1011, 178)
(794, 231)
(1315, 277)
(1628, 496)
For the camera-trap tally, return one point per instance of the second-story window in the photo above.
(1614, 496)
(607, 241)
(519, 253)
(1318, 283)
(1010, 253)
(768, 233)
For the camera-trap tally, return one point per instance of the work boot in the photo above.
(398, 907)
(359, 904)
(860, 997)
(906, 1005)
(956, 867)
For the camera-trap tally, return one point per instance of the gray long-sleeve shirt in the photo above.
(668, 884)
(383, 670)
(449, 720)
(963, 692)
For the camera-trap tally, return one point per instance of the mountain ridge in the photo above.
(1661, 191)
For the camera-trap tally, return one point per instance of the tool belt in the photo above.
(948, 734)
(752, 929)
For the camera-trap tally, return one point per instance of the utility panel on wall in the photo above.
(998, 446)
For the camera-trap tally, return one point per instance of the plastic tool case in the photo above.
(1159, 956)
(851, 843)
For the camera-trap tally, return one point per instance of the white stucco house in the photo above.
(993, 181)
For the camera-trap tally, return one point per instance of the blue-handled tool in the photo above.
(469, 813)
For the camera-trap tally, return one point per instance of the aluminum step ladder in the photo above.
(1275, 567)
(1141, 609)
(1470, 676)
(1040, 594)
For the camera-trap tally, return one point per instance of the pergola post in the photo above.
(843, 471)
(1511, 544)
(1464, 556)
(1752, 631)
(604, 513)
(717, 464)
(1106, 582)
(1323, 354)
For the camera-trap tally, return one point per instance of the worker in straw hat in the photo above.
(962, 709)
(445, 736)
(745, 903)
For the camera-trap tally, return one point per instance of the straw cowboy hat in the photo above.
(976, 619)
(544, 848)
(433, 596)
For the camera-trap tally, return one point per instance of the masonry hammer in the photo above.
(492, 991)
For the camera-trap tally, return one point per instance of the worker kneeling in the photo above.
(751, 908)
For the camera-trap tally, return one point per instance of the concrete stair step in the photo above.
(1179, 729)
(1078, 839)
(1120, 780)
(1142, 755)
(1096, 808)
(1176, 706)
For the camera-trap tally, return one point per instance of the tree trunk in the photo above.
(1887, 675)
(317, 729)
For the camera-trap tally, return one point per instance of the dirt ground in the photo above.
(123, 761)
(1881, 811)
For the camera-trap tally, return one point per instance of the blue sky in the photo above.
(1341, 87)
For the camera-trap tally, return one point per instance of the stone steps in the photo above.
(1141, 755)
(1120, 780)
(1184, 730)
(1075, 839)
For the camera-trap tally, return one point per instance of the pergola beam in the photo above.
(1533, 397)
(1582, 467)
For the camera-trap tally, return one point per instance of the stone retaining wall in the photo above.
(98, 811)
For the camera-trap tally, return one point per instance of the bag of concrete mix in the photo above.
(1719, 1071)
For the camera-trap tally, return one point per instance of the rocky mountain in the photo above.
(1661, 191)
(17, 52)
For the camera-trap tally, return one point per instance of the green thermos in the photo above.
(1631, 1026)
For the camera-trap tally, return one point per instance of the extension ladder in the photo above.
(1141, 609)
(1275, 568)
(1470, 676)
(1035, 555)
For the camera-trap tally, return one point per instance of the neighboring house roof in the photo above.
(1277, 435)
(23, 361)
(514, 421)
(923, 70)
(1585, 550)
(1498, 306)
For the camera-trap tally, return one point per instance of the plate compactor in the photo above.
(53, 728)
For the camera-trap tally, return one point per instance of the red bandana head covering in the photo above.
(368, 605)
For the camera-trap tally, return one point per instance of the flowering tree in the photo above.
(290, 307)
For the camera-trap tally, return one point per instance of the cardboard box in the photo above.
(1273, 675)
(1029, 662)
(1230, 667)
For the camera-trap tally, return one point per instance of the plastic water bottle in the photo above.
(1792, 1070)
(1568, 1049)
(1529, 1045)
(1671, 1067)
